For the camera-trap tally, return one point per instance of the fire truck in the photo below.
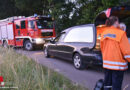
(27, 32)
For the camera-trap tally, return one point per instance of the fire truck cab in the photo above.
(27, 32)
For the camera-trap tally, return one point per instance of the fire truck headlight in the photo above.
(39, 41)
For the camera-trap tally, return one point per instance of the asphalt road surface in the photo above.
(86, 78)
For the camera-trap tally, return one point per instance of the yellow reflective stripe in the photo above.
(115, 67)
(127, 56)
(115, 63)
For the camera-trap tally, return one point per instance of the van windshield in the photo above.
(44, 24)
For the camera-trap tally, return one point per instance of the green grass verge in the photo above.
(24, 73)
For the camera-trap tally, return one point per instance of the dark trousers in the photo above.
(113, 79)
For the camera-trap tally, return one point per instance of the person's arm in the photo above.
(125, 47)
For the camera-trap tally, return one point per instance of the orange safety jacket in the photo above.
(115, 49)
(100, 30)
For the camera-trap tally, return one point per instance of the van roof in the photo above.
(78, 26)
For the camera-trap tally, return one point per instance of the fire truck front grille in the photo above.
(47, 33)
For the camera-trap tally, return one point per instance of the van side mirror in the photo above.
(52, 41)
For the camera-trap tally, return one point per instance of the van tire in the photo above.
(78, 62)
(28, 45)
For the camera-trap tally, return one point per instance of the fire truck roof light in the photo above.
(35, 15)
(49, 15)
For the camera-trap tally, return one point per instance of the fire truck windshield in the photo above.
(44, 24)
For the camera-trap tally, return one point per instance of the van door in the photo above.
(119, 11)
(79, 35)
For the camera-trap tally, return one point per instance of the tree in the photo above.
(29, 7)
(8, 9)
(65, 12)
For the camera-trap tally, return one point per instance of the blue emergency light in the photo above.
(35, 15)
(49, 15)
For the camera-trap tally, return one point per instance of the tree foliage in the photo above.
(67, 13)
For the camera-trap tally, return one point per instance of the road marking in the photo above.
(125, 88)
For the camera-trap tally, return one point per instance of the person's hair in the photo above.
(111, 20)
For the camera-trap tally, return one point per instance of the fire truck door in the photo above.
(4, 32)
(18, 33)
(10, 34)
(31, 27)
(17, 28)
(23, 28)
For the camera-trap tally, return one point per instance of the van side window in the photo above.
(23, 25)
(31, 24)
(17, 24)
(82, 34)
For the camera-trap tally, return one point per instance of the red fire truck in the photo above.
(27, 32)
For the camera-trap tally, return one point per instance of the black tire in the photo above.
(5, 44)
(28, 45)
(78, 62)
(46, 53)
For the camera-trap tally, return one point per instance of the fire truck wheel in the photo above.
(5, 44)
(28, 45)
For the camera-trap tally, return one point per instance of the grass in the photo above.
(24, 73)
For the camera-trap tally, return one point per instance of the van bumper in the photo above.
(90, 58)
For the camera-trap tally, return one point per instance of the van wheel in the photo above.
(78, 62)
(46, 53)
(28, 45)
(5, 44)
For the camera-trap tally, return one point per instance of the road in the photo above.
(86, 78)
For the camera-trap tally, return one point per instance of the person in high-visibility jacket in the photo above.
(115, 49)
